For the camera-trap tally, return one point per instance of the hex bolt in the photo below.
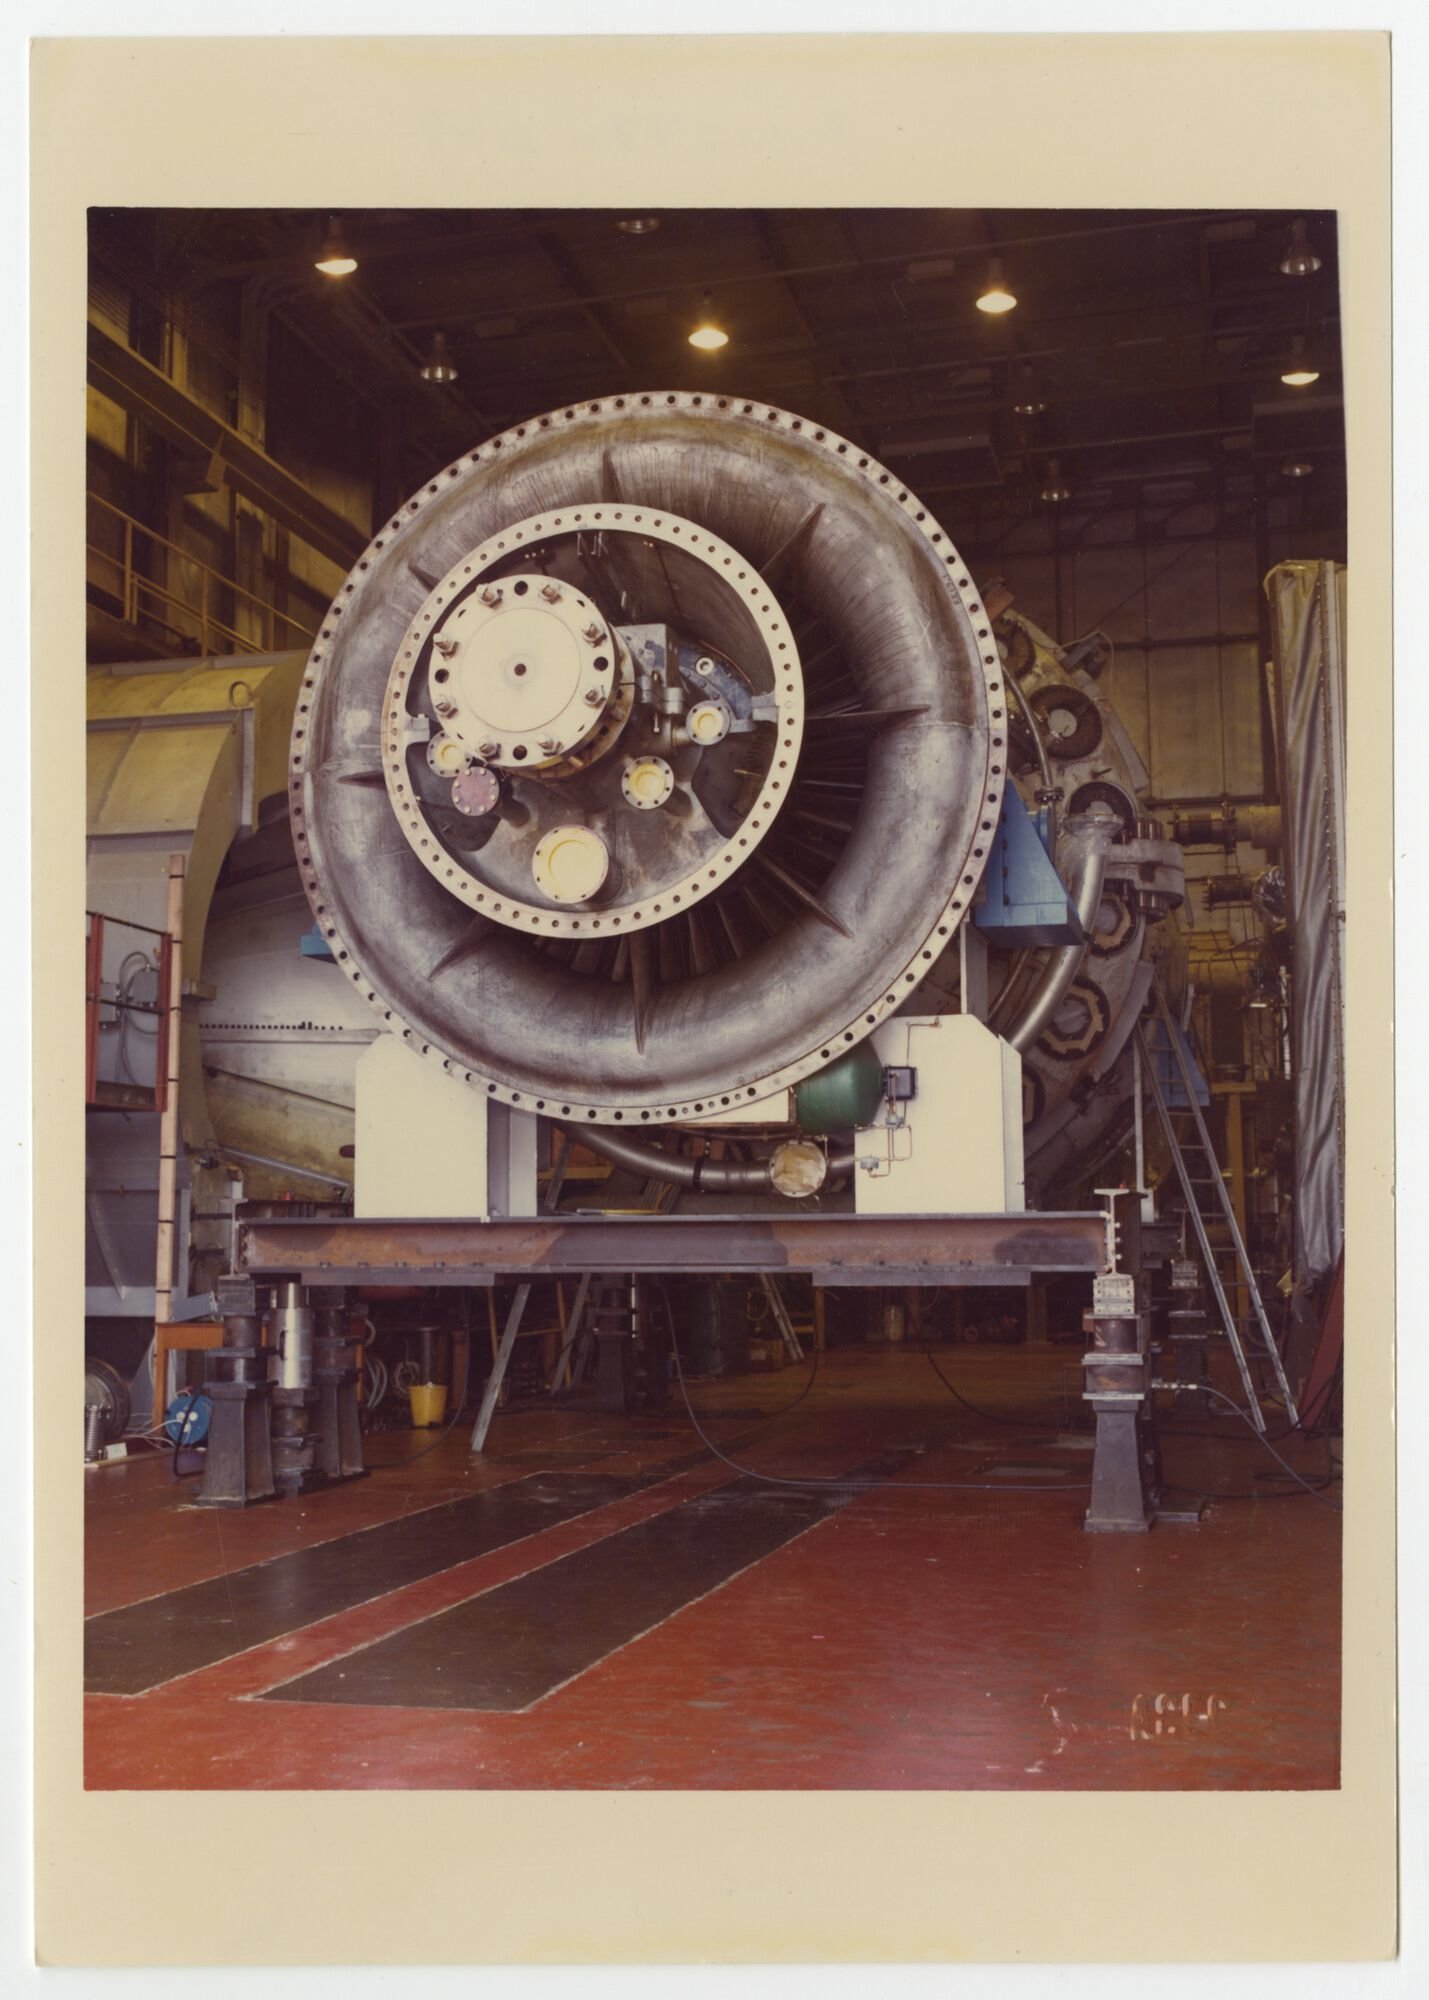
(445, 646)
(551, 593)
(550, 744)
(593, 697)
(444, 707)
(593, 635)
(491, 595)
(488, 750)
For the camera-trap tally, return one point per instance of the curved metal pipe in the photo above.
(1042, 763)
(1063, 967)
(701, 1176)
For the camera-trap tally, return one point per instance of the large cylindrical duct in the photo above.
(648, 758)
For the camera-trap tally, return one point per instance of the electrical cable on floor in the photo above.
(765, 1415)
(991, 1416)
(1313, 1490)
(845, 1485)
(390, 1464)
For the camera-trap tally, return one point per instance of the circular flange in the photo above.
(570, 864)
(1100, 799)
(448, 757)
(647, 783)
(522, 669)
(1071, 721)
(707, 722)
(362, 605)
(437, 620)
(477, 791)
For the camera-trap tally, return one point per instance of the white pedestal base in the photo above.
(429, 1145)
(958, 1149)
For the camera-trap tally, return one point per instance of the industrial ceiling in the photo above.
(1153, 340)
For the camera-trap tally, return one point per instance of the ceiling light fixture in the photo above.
(335, 259)
(1299, 259)
(994, 296)
(1026, 402)
(638, 225)
(1298, 468)
(1054, 488)
(438, 366)
(707, 333)
(1300, 371)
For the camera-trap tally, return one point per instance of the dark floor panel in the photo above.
(504, 1650)
(143, 1645)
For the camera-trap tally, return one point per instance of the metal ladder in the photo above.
(780, 1314)
(1206, 1196)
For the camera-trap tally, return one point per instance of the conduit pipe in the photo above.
(1063, 967)
(700, 1176)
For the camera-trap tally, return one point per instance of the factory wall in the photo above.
(234, 358)
(1184, 621)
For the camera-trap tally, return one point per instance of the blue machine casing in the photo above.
(1025, 901)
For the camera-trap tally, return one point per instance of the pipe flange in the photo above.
(1100, 799)
(570, 864)
(1071, 722)
(647, 783)
(478, 670)
(525, 667)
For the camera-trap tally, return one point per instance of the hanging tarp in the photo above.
(1307, 604)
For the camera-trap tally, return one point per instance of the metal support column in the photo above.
(499, 1366)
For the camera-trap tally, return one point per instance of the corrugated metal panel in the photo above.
(1182, 594)
(1185, 704)
(1241, 726)
(1239, 587)
(1124, 683)
(1107, 593)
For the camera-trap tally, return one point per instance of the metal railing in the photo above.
(129, 1094)
(186, 616)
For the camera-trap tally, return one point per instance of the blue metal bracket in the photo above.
(1025, 901)
(312, 944)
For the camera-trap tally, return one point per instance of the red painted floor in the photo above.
(916, 1639)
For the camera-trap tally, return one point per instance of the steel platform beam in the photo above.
(832, 1249)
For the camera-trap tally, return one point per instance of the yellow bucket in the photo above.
(429, 1404)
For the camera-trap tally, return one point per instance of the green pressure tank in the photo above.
(842, 1097)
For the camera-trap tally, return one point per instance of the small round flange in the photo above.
(707, 723)
(477, 791)
(647, 782)
(570, 864)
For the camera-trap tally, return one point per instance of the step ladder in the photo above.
(1208, 1204)
(780, 1314)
